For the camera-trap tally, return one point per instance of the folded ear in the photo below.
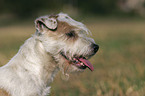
(45, 23)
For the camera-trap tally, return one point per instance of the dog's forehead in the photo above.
(62, 17)
(65, 18)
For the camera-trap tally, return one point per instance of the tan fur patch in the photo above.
(62, 29)
(3, 93)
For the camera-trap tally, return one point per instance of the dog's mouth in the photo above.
(80, 62)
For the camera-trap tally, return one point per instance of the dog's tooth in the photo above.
(82, 64)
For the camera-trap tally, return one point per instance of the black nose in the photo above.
(95, 47)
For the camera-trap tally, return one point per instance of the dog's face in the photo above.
(67, 41)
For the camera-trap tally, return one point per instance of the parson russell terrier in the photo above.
(60, 43)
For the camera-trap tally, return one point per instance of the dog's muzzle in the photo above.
(81, 61)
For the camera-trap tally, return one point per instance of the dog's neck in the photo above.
(33, 56)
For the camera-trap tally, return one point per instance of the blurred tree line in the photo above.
(26, 8)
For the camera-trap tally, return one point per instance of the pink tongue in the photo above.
(87, 63)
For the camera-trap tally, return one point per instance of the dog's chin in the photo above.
(75, 69)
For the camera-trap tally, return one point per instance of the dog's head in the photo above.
(67, 41)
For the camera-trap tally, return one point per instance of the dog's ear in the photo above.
(45, 23)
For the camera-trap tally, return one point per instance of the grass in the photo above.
(119, 64)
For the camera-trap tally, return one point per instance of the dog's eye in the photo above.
(71, 33)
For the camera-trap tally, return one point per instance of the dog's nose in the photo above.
(95, 47)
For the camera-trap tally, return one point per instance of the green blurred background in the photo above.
(118, 27)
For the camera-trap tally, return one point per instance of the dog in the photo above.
(59, 44)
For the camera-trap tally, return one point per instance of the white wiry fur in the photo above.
(31, 71)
